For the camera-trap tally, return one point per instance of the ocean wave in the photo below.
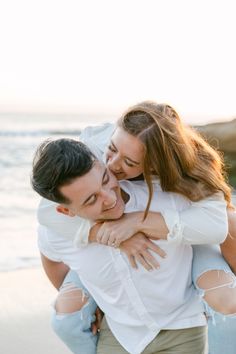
(19, 263)
(20, 133)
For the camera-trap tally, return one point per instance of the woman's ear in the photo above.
(63, 210)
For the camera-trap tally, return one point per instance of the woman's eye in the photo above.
(129, 164)
(111, 148)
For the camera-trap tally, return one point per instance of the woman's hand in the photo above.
(138, 248)
(112, 233)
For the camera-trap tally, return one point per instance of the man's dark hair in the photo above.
(57, 163)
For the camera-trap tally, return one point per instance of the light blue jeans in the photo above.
(221, 328)
(74, 329)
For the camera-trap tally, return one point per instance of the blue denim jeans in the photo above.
(221, 328)
(74, 328)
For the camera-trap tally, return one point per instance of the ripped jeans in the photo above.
(220, 294)
(71, 321)
(74, 326)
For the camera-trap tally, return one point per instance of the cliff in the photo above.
(223, 136)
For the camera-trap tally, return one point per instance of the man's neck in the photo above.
(125, 196)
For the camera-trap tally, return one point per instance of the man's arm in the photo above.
(55, 271)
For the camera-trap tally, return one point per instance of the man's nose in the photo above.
(109, 197)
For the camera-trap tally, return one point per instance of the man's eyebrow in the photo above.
(128, 158)
(91, 195)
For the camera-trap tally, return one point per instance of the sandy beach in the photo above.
(25, 308)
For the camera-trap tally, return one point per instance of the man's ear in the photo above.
(64, 210)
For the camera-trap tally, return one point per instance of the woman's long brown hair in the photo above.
(182, 160)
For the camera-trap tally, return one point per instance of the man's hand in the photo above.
(96, 325)
(137, 249)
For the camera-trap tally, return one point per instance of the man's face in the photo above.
(94, 196)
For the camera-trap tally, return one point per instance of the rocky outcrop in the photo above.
(223, 137)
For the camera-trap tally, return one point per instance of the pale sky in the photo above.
(105, 55)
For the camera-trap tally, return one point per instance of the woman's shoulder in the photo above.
(97, 132)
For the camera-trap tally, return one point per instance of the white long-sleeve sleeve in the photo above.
(203, 222)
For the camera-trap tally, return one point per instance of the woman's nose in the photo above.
(114, 164)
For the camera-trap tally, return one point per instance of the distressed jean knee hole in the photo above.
(70, 299)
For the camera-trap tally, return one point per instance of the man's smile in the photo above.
(112, 206)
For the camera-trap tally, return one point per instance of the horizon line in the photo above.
(111, 114)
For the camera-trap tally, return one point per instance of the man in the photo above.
(136, 308)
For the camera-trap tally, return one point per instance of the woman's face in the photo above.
(125, 155)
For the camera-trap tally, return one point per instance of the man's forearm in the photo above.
(55, 271)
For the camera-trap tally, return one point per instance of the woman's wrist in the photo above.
(154, 225)
(93, 232)
(139, 225)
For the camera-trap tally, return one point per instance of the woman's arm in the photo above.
(203, 222)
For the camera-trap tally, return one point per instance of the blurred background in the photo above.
(68, 64)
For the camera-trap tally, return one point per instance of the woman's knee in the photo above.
(72, 309)
(70, 299)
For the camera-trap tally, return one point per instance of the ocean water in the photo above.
(19, 136)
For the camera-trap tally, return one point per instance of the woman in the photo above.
(151, 139)
(180, 171)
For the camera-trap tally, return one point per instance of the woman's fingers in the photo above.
(133, 262)
(150, 259)
(152, 246)
(143, 261)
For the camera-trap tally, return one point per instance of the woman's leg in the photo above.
(221, 335)
(73, 315)
(217, 285)
(228, 247)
